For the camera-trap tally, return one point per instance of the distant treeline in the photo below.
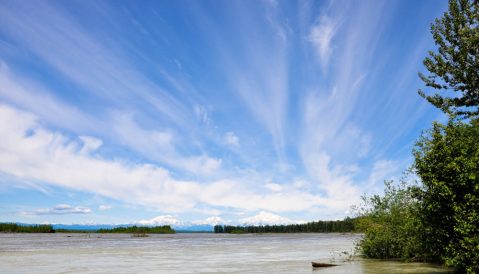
(12, 228)
(346, 225)
(20, 228)
(166, 229)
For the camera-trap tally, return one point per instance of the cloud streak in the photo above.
(61, 209)
(332, 143)
(81, 58)
(289, 108)
(321, 36)
(231, 139)
(32, 96)
(257, 70)
(119, 127)
(31, 152)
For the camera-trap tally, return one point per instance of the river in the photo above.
(190, 253)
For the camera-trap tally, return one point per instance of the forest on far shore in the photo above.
(20, 228)
(346, 225)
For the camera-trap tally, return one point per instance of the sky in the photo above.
(207, 112)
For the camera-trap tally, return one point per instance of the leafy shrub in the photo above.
(390, 224)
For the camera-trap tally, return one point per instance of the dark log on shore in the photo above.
(317, 264)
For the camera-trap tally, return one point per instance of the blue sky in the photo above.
(206, 111)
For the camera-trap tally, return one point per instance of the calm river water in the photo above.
(188, 253)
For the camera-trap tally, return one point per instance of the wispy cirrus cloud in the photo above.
(332, 142)
(32, 152)
(118, 127)
(257, 69)
(61, 209)
(264, 87)
(104, 207)
(161, 145)
(231, 139)
(274, 107)
(32, 96)
(83, 58)
(321, 36)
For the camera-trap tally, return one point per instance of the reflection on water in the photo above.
(188, 253)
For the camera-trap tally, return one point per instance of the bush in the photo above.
(390, 224)
(447, 161)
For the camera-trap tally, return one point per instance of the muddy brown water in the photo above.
(190, 253)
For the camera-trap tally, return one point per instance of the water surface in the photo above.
(189, 253)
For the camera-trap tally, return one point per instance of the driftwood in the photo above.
(318, 264)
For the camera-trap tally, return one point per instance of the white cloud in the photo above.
(382, 170)
(157, 145)
(257, 71)
(30, 152)
(90, 144)
(69, 49)
(161, 146)
(364, 145)
(201, 113)
(267, 218)
(161, 220)
(61, 209)
(35, 98)
(231, 139)
(104, 207)
(274, 187)
(335, 180)
(327, 134)
(300, 183)
(321, 36)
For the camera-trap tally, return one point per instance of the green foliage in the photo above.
(438, 221)
(219, 229)
(390, 224)
(346, 225)
(447, 161)
(455, 66)
(238, 231)
(16, 228)
(140, 230)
